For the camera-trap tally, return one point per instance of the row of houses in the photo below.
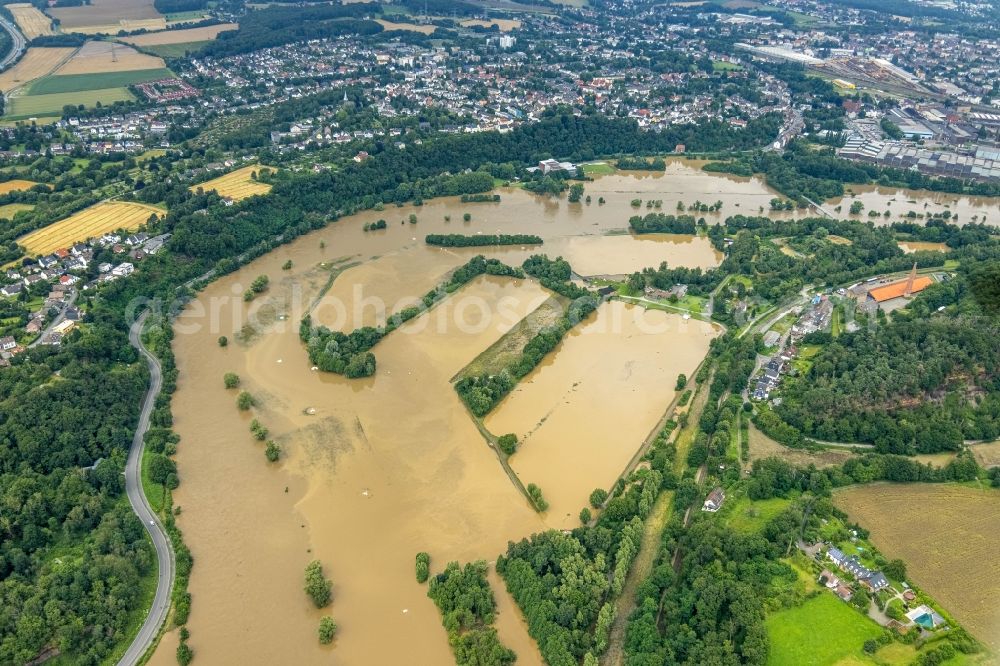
(873, 580)
(772, 372)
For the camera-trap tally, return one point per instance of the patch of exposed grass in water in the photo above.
(504, 351)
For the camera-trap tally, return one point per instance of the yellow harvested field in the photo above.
(762, 446)
(947, 534)
(32, 22)
(237, 184)
(201, 34)
(119, 13)
(16, 185)
(95, 57)
(505, 25)
(987, 454)
(35, 64)
(88, 223)
(412, 27)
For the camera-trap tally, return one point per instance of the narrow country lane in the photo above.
(133, 487)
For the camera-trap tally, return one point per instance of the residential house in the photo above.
(12, 290)
(714, 500)
(122, 270)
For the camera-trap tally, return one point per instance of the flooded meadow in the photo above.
(374, 470)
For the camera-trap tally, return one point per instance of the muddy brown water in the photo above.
(617, 364)
(899, 202)
(909, 247)
(375, 470)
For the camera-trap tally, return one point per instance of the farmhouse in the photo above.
(873, 580)
(714, 500)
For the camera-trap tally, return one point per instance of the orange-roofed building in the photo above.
(906, 287)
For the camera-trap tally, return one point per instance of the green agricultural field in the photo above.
(68, 83)
(52, 105)
(822, 631)
(174, 50)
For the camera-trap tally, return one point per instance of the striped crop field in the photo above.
(237, 184)
(88, 223)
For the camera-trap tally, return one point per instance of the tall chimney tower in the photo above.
(909, 281)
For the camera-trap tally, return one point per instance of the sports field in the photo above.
(36, 63)
(27, 106)
(80, 82)
(236, 184)
(32, 22)
(202, 34)
(97, 57)
(16, 185)
(822, 631)
(88, 223)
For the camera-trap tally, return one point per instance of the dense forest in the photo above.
(277, 25)
(566, 584)
(659, 223)
(66, 425)
(923, 382)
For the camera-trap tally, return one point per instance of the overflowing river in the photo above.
(377, 469)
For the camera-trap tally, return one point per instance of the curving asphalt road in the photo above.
(18, 43)
(133, 487)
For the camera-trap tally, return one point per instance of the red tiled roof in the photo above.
(897, 289)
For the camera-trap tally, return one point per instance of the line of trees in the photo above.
(349, 354)
(481, 393)
(479, 240)
(641, 164)
(659, 223)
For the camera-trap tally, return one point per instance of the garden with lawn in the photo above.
(823, 630)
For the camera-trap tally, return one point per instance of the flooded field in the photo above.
(581, 415)
(619, 255)
(909, 247)
(684, 181)
(899, 202)
(374, 470)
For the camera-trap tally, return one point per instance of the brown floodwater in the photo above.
(374, 470)
(909, 247)
(622, 254)
(580, 414)
(899, 202)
